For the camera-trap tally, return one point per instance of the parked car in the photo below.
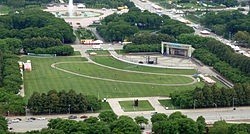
(83, 116)
(32, 118)
(19, 119)
(15, 121)
(72, 117)
(41, 118)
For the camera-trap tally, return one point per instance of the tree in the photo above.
(219, 127)
(3, 125)
(107, 116)
(201, 124)
(158, 117)
(124, 125)
(176, 115)
(141, 120)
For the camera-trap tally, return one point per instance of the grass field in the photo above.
(143, 105)
(167, 103)
(110, 61)
(91, 69)
(43, 78)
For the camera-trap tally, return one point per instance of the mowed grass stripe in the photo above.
(110, 61)
(100, 72)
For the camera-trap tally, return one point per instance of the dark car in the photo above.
(72, 117)
(19, 119)
(32, 118)
(83, 116)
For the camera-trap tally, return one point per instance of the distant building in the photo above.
(168, 48)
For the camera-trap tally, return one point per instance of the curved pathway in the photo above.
(120, 81)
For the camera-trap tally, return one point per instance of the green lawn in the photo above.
(143, 105)
(167, 103)
(91, 69)
(76, 53)
(105, 107)
(110, 61)
(43, 78)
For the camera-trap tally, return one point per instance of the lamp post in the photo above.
(194, 103)
(69, 108)
(233, 104)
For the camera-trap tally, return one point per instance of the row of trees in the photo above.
(212, 96)
(10, 77)
(220, 56)
(106, 123)
(226, 23)
(208, 58)
(64, 50)
(132, 48)
(221, 127)
(62, 102)
(44, 42)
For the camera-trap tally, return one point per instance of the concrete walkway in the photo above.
(116, 107)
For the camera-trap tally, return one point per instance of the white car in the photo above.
(41, 118)
(15, 121)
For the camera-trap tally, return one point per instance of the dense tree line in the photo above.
(10, 77)
(212, 96)
(175, 28)
(221, 127)
(64, 50)
(31, 23)
(242, 38)
(220, 56)
(44, 42)
(226, 23)
(3, 125)
(10, 81)
(11, 104)
(35, 29)
(62, 102)
(22, 3)
(116, 31)
(118, 27)
(10, 45)
(208, 58)
(149, 38)
(132, 48)
(177, 123)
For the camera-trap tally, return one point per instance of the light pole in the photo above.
(233, 104)
(194, 103)
(69, 108)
